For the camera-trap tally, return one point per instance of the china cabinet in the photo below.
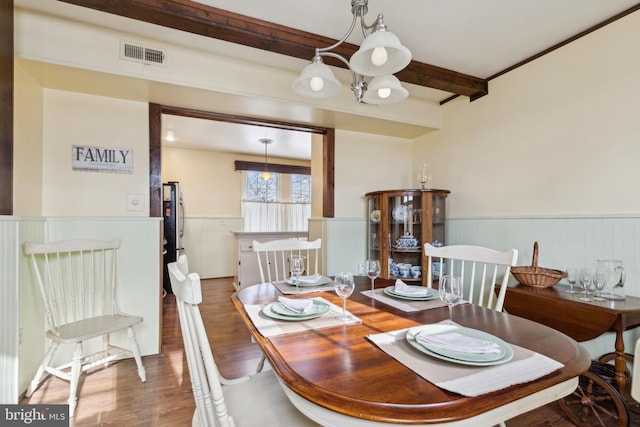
(399, 223)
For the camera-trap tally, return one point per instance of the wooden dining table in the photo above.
(341, 370)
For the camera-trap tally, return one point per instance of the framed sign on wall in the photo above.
(101, 159)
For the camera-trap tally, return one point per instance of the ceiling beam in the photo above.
(220, 24)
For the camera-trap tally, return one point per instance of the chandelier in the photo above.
(380, 55)
(266, 175)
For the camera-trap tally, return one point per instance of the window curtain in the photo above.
(275, 216)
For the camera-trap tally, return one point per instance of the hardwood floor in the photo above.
(115, 395)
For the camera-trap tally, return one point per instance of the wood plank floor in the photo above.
(115, 396)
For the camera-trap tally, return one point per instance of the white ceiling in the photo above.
(475, 37)
(205, 134)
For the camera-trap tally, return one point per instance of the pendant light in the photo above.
(266, 175)
(380, 55)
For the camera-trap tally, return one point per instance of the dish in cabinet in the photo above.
(400, 213)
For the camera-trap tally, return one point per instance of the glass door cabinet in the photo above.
(399, 223)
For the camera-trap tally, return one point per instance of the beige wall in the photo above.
(27, 148)
(558, 136)
(367, 162)
(80, 119)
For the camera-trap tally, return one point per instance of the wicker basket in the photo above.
(537, 276)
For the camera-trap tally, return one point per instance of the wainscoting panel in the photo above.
(209, 243)
(9, 310)
(33, 341)
(22, 340)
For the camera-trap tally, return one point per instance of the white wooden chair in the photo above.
(273, 261)
(273, 257)
(183, 264)
(77, 281)
(480, 269)
(256, 400)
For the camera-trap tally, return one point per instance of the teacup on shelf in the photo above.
(404, 271)
(416, 271)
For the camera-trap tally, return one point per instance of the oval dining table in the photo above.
(335, 372)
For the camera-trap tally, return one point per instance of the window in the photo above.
(301, 188)
(280, 204)
(257, 189)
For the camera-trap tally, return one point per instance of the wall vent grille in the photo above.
(144, 54)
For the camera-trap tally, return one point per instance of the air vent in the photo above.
(144, 54)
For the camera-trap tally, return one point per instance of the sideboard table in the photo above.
(582, 321)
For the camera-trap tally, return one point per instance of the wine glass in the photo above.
(372, 267)
(296, 264)
(600, 280)
(585, 280)
(572, 275)
(344, 286)
(450, 290)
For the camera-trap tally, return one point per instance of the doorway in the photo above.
(155, 150)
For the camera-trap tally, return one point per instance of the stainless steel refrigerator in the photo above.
(173, 213)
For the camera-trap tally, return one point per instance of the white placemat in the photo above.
(525, 366)
(404, 305)
(269, 327)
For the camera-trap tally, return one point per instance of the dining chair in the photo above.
(77, 282)
(183, 264)
(480, 270)
(256, 400)
(273, 261)
(273, 257)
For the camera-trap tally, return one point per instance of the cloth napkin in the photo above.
(413, 291)
(308, 279)
(455, 341)
(297, 305)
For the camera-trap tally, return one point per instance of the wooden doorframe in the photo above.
(6, 107)
(155, 150)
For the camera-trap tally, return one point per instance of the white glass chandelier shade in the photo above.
(266, 176)
(317, 81)
(384, 90)
(381, 53)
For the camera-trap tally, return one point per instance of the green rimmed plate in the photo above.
(431, 294)
(276, 310)
(473, 359)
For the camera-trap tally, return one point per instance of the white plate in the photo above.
(375, 216)
(431, 294)
(276, 310)
(473, 359)
(400, 213)
(321, 281)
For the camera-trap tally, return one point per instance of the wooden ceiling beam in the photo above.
(203, 20)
